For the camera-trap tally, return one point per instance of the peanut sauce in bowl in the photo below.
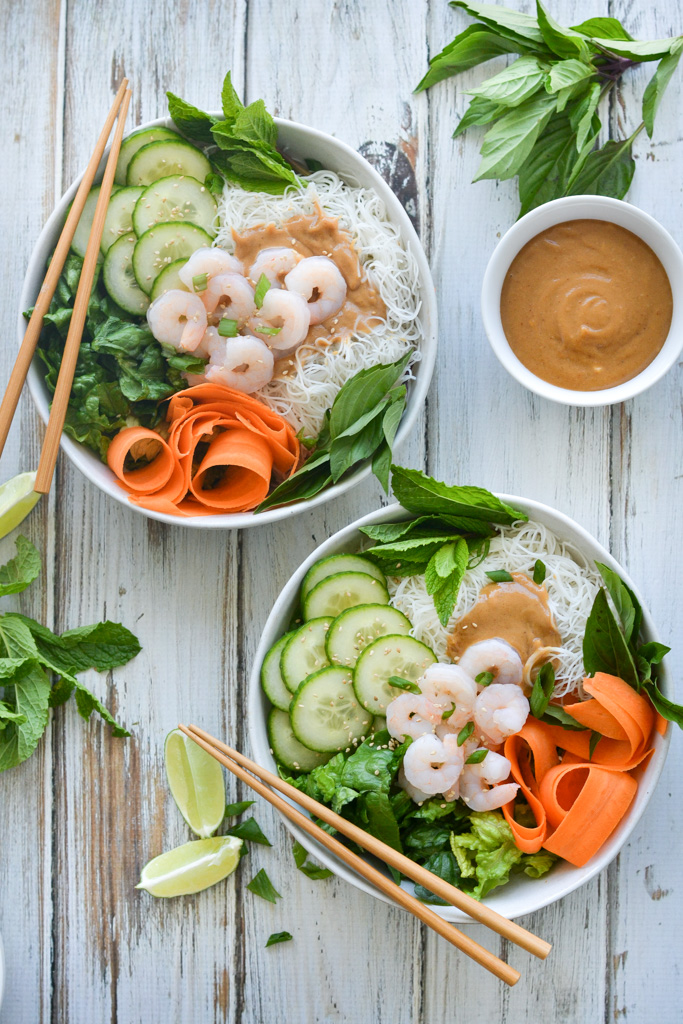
(582, 301)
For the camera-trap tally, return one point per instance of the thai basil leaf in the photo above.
(666, 708)
(262, 886)
(307, 867)
(381, 462)
(232, 810)
(249, 830)
(480, 111)
(471, 47)
(607, 171)
(604, 646)
(364, 391)
(581, 116)
(555, 715)
(656, 87)
(563, 41)
(277, 937)
(638, 51)
(358, 441)
(444, 865)
(313, 476)
(625, 601)
(602, 28)
(511, 24)
(568, 73)
(515, 84)
(542, 690)
(509, 141)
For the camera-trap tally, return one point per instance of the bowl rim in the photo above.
(511, 907)
(80, 456)
(558, 211)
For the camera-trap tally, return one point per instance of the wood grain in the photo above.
(82, 816)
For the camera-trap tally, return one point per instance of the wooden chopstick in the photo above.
(463, 901)
(398, 895)
(60, 401)
(47, 290)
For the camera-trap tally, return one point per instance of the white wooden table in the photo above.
(81, 817)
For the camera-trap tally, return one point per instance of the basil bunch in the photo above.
(542, 108)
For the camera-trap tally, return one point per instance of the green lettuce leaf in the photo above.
(487, 853)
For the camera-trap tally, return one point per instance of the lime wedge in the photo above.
(17, 498)
(191, 867)
(196, 782)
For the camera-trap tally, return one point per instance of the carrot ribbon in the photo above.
(222, 451)
(579, 801)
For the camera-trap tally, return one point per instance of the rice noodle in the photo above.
(571, 581)
(303, 396)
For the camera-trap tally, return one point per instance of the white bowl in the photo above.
(299, 141)
(521, 895)
(589, 208)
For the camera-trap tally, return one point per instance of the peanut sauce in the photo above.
(516, 611)
(586, 305)
(320, 235)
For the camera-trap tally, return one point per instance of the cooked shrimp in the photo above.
(230, 295)
(210, 340)
(430, 766)
(412, 715)
(448, 687)
(209, 260)
(178, 318)
(243, 363)
(275, 263)
(480, 783)
(496, 656)
(285, 312)
(500, 710)
(320, 282)
(413, 792)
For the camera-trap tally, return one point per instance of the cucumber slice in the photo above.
(304, 652)
(119, 219)
(325, 714)
(119, 279)
(271, 679)
(136, 141)
(171, 156)
(177, 197)
(339, 563)
(343, 590)
(357, 627)
(286, 747)
(79, 242)
(389, 656)
(163, 245)
(168, 280)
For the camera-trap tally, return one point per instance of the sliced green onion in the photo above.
(500, 576)
(447, 714)
(268, 330)
(200, 282)
(484, 678)
(262, 286)
(404, 684)
(476, 758)
(465, 733)
(539, 571)
(227, 328)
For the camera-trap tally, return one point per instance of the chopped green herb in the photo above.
(447, 714)
(539, 571)
(278, 937)
(227, 328)
(262, 287)
(477, 757)
(465, 733)
(308, 868)
(500, 576)
(404, 684)
(249, 830)
(262, 886)
(484, 678)
(232, 810)
(594, 740)
(200, 282)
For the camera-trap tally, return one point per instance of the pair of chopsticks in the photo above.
(48, 456)
(237, 763)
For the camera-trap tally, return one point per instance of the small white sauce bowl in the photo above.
(583, 208)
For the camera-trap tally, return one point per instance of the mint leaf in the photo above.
(31, 692)
(262, 886)
(102, 646)
(87, 702)
(311, 870)
(20, 571)
(230, 101)
(420, 493)
(190, 120)
(16, 637)
(277, 937)
(254, 124)
(470, 48)
(8, 714)
(656, 87)
(444, 575)
(249, 830)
